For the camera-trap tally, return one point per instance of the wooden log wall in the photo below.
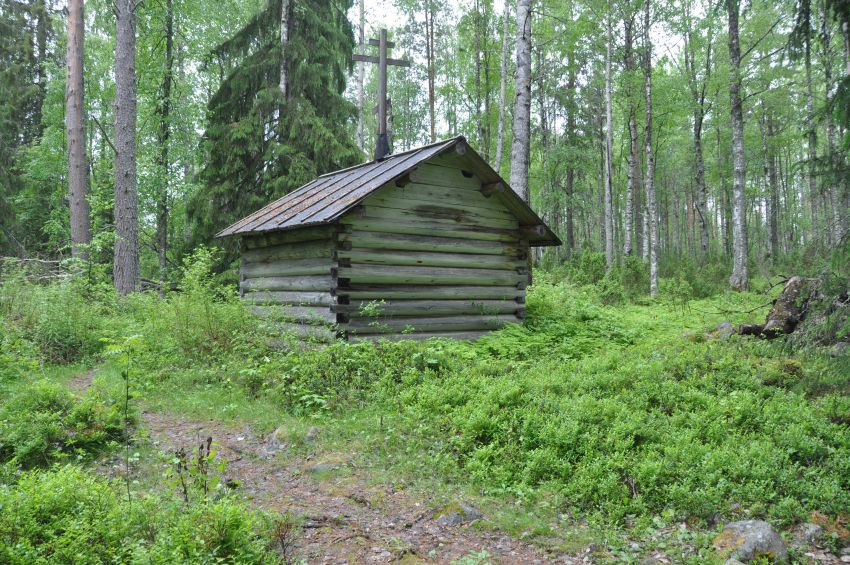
(287, 276)
(435, 254)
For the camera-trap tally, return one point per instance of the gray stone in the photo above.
(808, 533)
(725, 329)
(751, 539)
(844, 551)
(839, 349)
(324, 468)
(456, 513)
(312, 434)
(277, 440)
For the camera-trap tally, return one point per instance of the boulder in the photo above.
(750, 539)
(839, 349)
(312, 434)
(456, 513)
(808, 533)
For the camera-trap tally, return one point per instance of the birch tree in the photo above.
(609, 151)
(739, 280)
(520, 149)
(503, 86)
(651, 208)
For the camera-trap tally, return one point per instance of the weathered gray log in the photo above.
(465, 336)
(310, 315)
(441, 194)
(413, 242)
(294, 298)
(424, 308)
(424, 258)
(303, 283)
(430, 228)
(313, 233)
(423, 292)
(301, 250)
(362, 326)
(287, 267)
(458, 217)
(435, 174)
(429, 275)
(440, 209)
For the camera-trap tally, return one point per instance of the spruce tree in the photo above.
(261, 143)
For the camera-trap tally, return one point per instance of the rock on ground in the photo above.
(750, 539)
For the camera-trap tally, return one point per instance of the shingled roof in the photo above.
(328, 197)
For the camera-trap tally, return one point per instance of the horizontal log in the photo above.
(313, 233)
(448, 208)
(303, 283)
(294, 298)
(491, 188)
(421, 292)
(430, 259)
(300, 250)
(362, 326)
(441, 195)
(302, 314)
(419, 336)
(413, 242)
(449, 217)
(287, 267)
(431, 228)
(425, 308)
(533, 231)
(429, 275)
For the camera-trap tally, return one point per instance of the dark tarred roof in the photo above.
(328, 197)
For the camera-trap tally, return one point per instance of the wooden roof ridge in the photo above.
(326, 198)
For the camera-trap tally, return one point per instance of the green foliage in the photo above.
(44, 423)
(67, 515)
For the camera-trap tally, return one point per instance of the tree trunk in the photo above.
(739, 280)
(609, 149)
(520, 148)
(650, 161)
(812, 139)
(479, 121)
(164, 137)
(126, 262)
(361, 76)
(284, 39)
(835, 230)
(429, 56)
(78, 182)
(500, 141)
(773, 180)
(633, 165)
(571, 128)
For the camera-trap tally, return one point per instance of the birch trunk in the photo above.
(520, 148)
(651, 212)
(633, 165)
(834, 231)
(609, 142)
(284, 39)
(739, 280)
(164, 136)
(361, 77)
(571, 128)
(78, 181)
(503, 86)
(429, 56)
(812, 141)
(479, 121)
(773, 179)
(126, 261)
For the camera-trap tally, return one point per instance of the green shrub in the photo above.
(67, 515)
(587, 267)
(44, 423)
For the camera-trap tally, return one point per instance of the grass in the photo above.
(599, 422)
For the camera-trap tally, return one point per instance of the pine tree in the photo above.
(259, 143)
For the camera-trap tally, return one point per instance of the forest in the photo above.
(676, 389)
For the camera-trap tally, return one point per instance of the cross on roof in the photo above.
(382, 147)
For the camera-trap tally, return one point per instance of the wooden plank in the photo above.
(288, 267)
(403, 242)
(448, 208)
(413, 292)
(313, 233)
(435, 174)
(362, 326)
(294, 298)
(441, 195)
(424, 308)
(303, 283)
(430, 228)
(419, 336)
(301, 250)
(303, 314)
(438, 215)
(429, 275)
(430, 259)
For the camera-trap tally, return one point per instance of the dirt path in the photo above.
(346, 520)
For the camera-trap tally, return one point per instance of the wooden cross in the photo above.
(382, 148)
